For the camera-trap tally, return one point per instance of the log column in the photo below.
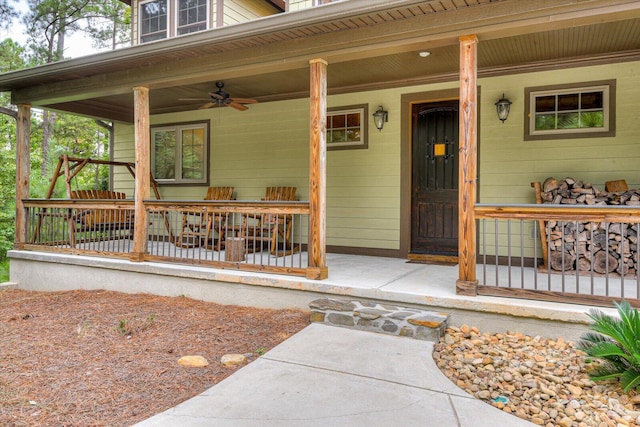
(318, 171)
(467, 283)
(23, 137)
(143, 170)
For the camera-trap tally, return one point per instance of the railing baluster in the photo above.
(606, 258)
(591, 269)
(496, 249)
(484, 251)
(535, 255)
(576, 244)
(522, 254)
(637, 262)
(509, 282)
(548, 266)
(622, 264)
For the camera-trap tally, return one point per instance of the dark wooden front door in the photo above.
(434, 200)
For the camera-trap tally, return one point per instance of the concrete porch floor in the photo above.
(350, 276)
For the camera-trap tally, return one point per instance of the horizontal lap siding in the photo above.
(508, 163)
(123, 151)
(236, 11)
(268, 145)
(363, 185)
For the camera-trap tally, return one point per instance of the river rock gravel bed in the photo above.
(541, 380)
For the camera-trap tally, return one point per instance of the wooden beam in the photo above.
(23, 144)
(318, 169)
(143, 169)
(467, 161)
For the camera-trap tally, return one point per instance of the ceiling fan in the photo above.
(220, 98)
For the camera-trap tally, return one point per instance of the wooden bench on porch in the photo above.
(99, 219)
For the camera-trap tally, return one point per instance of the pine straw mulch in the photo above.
(104, 358)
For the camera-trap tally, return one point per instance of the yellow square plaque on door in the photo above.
(439, 149)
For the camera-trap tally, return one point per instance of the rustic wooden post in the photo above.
(23, 144)
(467, 283)
(318, 171)
(143, 168)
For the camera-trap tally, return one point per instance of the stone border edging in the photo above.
(382, 318)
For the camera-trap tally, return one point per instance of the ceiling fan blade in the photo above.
(194, 99)
(217, 95)
(237, 106)
(244, 100)
(207, 105)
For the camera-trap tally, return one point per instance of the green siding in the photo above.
(268, 145)
(508, 163)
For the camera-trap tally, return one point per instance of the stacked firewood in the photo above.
(603, 247)
(571, 192)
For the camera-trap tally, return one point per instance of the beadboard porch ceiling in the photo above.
(368, 45)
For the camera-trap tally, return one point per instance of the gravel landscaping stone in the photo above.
(541, 380)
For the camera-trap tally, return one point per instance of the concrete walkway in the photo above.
(331, 376)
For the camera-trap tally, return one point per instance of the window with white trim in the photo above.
(192, 16)
(180, 153)
(347, 127)
(153, 20)
(160, 19)
(574, 111)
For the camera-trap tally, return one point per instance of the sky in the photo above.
(76, 45)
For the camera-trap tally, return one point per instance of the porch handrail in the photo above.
(558, 212)
(125, 204)
(240, 206)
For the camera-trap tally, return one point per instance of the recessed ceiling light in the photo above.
(424, 54)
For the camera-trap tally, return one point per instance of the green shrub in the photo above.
(4, 270)
(616, 346)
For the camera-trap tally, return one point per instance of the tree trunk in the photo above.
(48, 126)
(109, 128)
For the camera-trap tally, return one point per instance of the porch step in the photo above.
(380, 317)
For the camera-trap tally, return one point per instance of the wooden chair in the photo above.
(197, 228)
(272, 230)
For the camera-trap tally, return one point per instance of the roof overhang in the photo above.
(367, 44)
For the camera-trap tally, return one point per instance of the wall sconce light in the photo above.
(502, 107)
(380, 117)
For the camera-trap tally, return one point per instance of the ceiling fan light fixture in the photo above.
(220, 98)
